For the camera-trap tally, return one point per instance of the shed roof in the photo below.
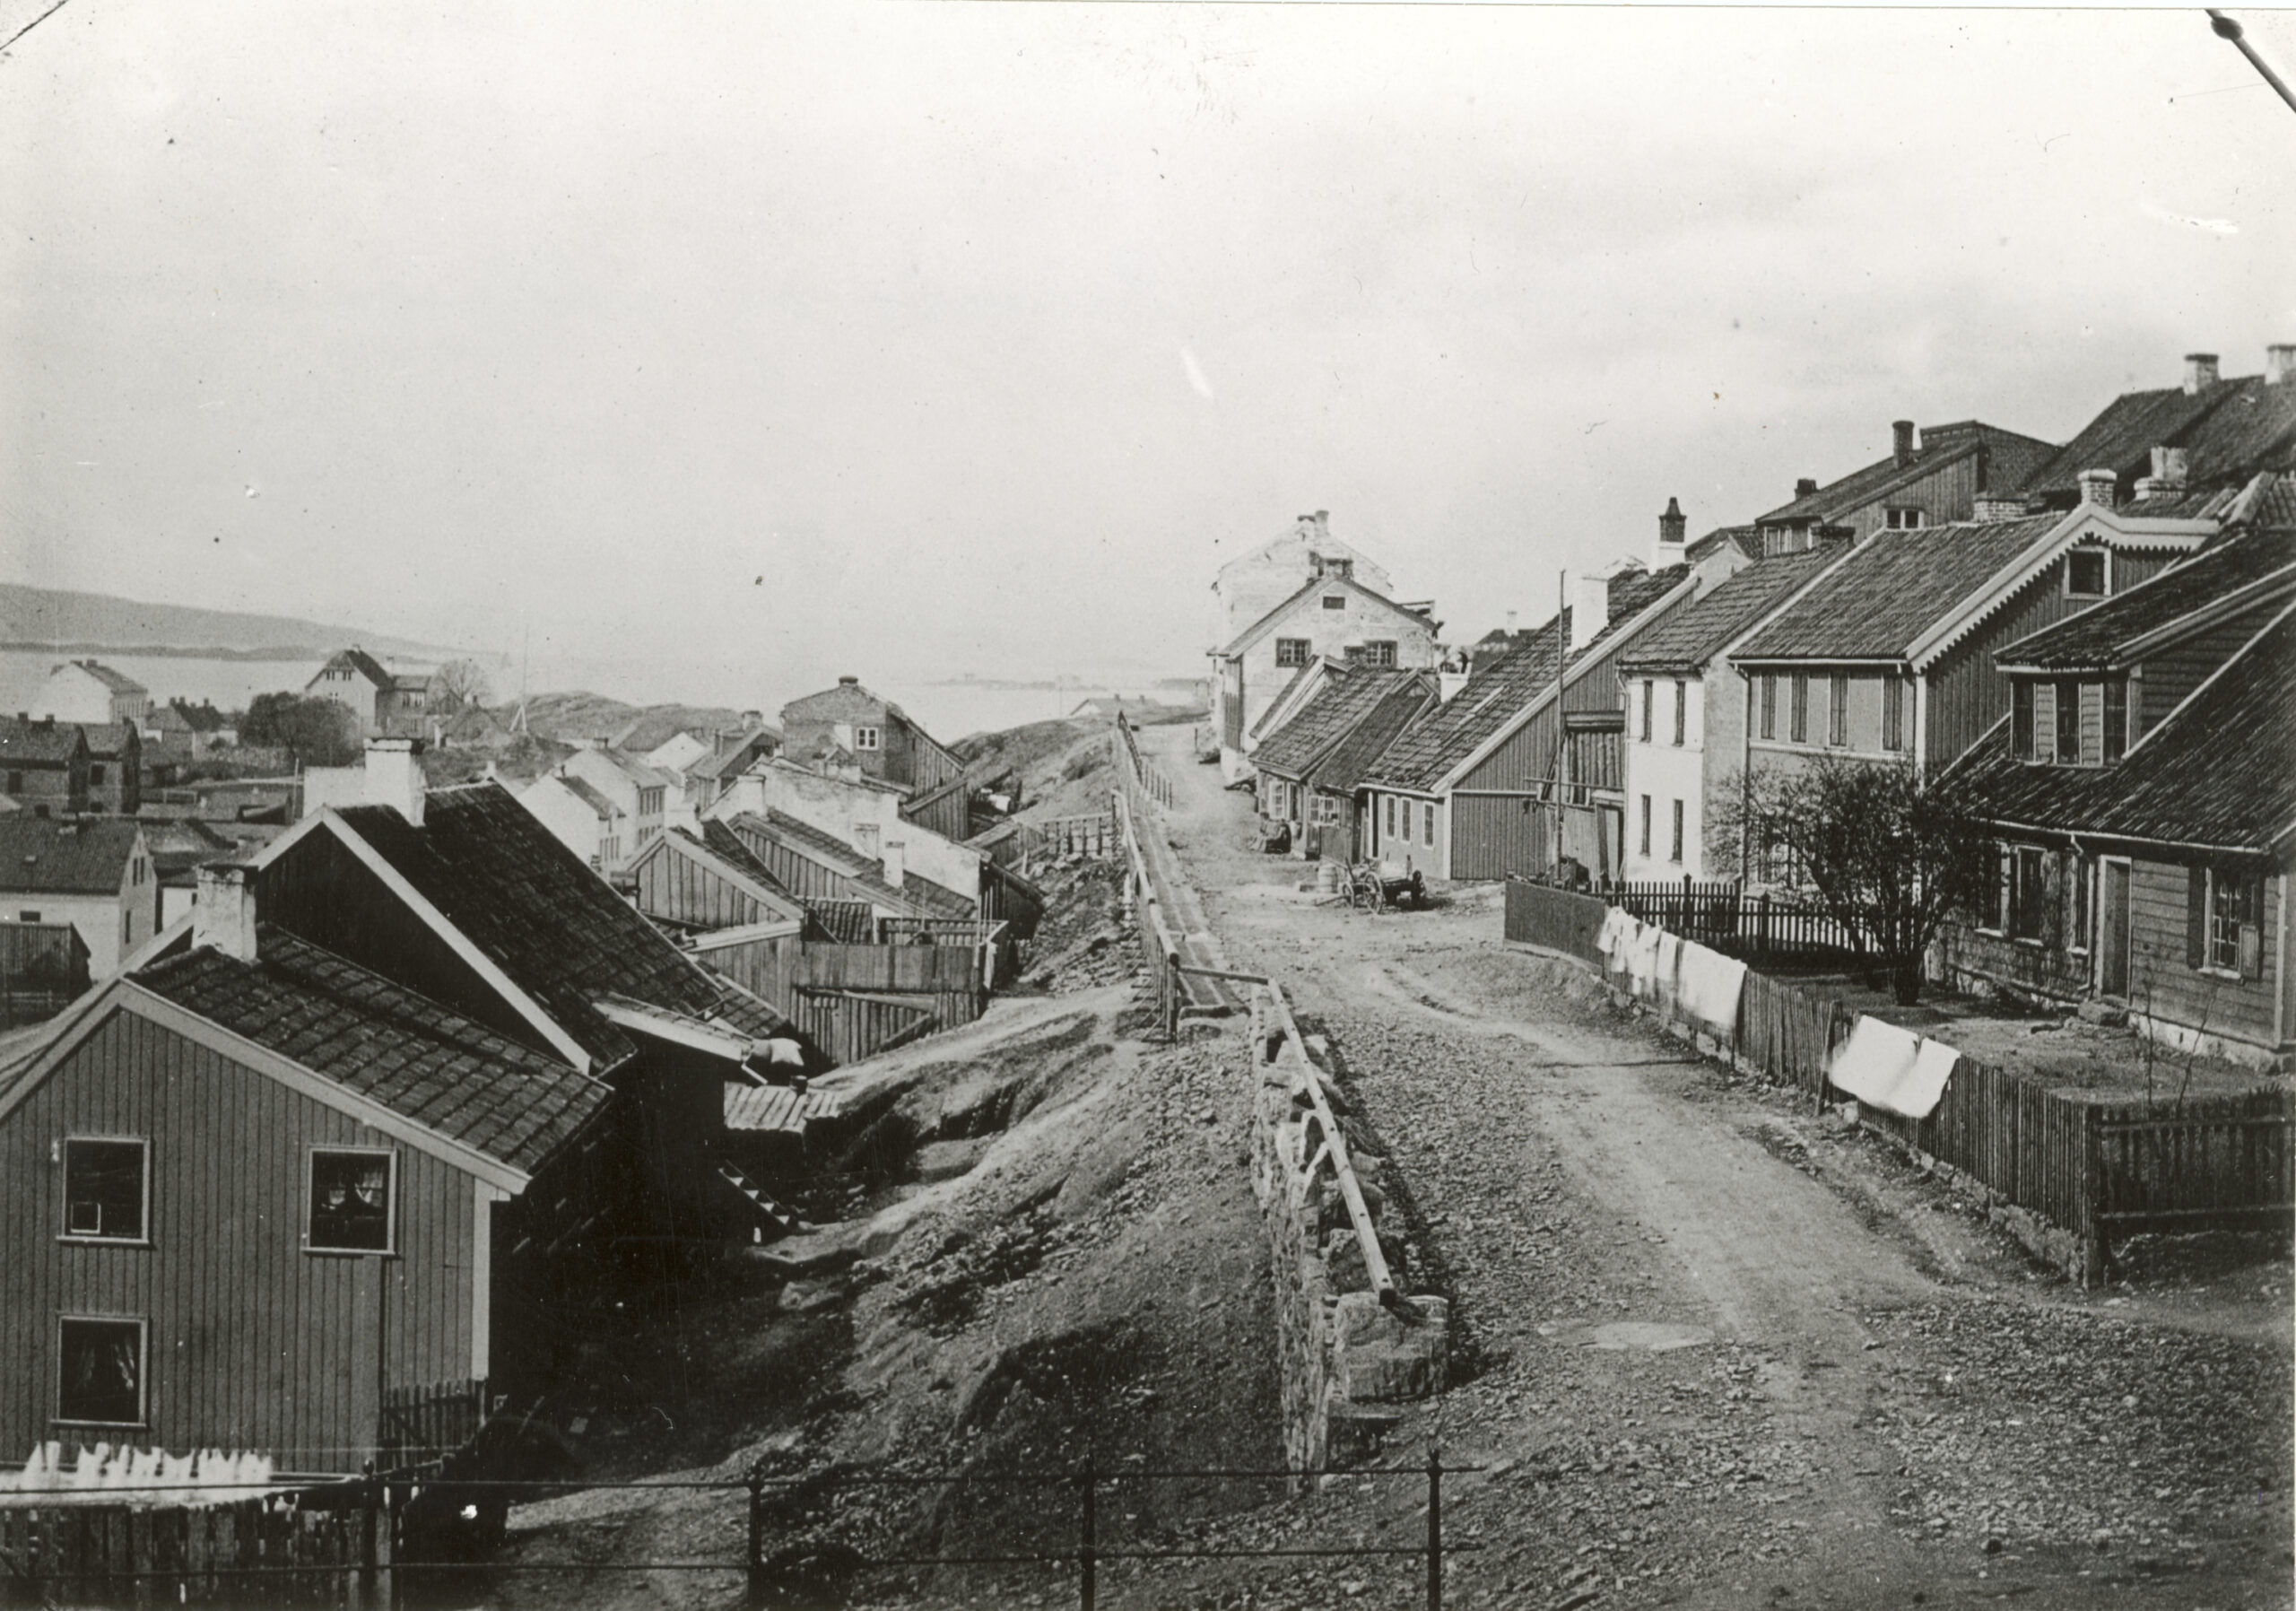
(1352, 693)
(2254, 565)
(425, 1062)
(87, 857)
(1445, 734)
(2219, 772)
(1693, 635)
(114, 682)
(2228, 430)
(1892, 588)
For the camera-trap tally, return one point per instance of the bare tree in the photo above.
(457, 684)
(1890, 858)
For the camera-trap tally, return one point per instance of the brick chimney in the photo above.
(2279, 363)
(896, 860)
(222, 913)
(2200, 371)
(1990, 509)
(394, 776)
(1804, 485)
(2099, 487)
(2170, 468)
(1674, 534)
(1901, 442)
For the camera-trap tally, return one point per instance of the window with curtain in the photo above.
(100, 1371)
(350, 1201)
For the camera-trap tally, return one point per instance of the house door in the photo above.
(2112, 929)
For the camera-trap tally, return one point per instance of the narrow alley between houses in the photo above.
(1712, 1348)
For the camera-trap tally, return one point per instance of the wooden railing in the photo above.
(1151, 779)
(1727, 919)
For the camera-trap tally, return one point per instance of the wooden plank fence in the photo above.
(422, 1421)
(251, 1552)
(2100, 1168)
(850, 1025)
(1152, 781)
(1724, 918)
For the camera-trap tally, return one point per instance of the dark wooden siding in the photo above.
(674, 887)
(947, 813)
(322, 892)
(2161, 985)
(2171, 675)
(251, 1343)
(1494, 835)
(1968, 694)
(800, 874)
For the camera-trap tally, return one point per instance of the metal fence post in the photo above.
(757, 1537)
(1087, 1552)
(1434, 1531)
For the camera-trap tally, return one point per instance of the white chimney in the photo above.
(2200, 371)
(1448, 683)
(866, 836)
(222, 913)
(896, 860)
(2279, 364)
(1590, 609)
(2097, 487)
(2170, 468)
(394, 776)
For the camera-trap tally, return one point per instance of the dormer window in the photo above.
(1906, 519)
(2088, 573)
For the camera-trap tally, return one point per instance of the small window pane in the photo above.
(2084, 573)
(1677, 855)
(1290, 651)
(1800, 733)
(103, 1189)
(1769, 704)
(2115, 735)
(2068, 723)
(350, 1210)
(1335, 601)
(2021, 721)
(101, 1372)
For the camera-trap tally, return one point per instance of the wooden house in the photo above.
(2143, 783)
(1888, 654)
(93, 694)
(95, 874)
(251, 1192)
(44, 765)
(818, 867)
(1308, 768)
(849, 728)
(115, 768)
(2202, 436)
(872, 816)
(640, 792)
(381, 700)
(1933, 478)
(580, 818)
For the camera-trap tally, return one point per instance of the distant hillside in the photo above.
(43, 618)
(573, 718)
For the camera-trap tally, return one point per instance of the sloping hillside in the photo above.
(575, 718)
(48, 617)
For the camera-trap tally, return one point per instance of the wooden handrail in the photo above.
(1335, 1147)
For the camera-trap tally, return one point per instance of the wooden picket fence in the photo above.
(1144, 772)
(250, 1552)
(1724, 918)
(423, 1420)
(2100, 1167)
(1056, 839)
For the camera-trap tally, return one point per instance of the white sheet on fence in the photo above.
(1642, 958)
(1616, 939)
(1892, 1068)
(1663, 987)
(1709, 987)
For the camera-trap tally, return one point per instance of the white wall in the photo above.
(98, 919)
(1665, 773)
(838, 807)
(571, 820)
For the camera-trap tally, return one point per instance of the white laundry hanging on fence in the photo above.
(1892, 1068)
(1642, 958)
(1617, 937)
(1709, 987)
(1665, 967)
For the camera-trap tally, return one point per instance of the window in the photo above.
(2116, 722)
(2088, 573)
(1290, 651)
(15, 783)
(1391, 816)
(2021, 721)
(1769, 704)
(99, 1370)
(104, 1183)
(2044, 721)
(868, 738)
(350, 1201)
(1906, 519)
(1677, 855)
(2223, 932)
(1380, 651)
(1801, 729)
(1838, 710)
(2078, 872)
(1682, 710)
(2028, 893)
(1426, 821)
(1646, 824)
(95, 775)
(2068, 724)
(1649, 695)
(1335, 601)
(1893, 713)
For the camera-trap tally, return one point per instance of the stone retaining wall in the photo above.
(1348, 1363)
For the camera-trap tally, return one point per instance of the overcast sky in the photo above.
(908, 340)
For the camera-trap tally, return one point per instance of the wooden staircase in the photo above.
(769, 1214)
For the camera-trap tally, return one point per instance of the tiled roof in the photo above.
(166, 718)
(1290, 685)
(111, 740)
(1495, 693)
(2275, 502)
(736, 759)
(924, 898)
(2228, 432)
(2182, 505)
(178, 844)
(534, 907)
(1360, 750)
(2219, 772)
(2092, 638)
(1314, 583)
(424, 1061)
(2011, 457)
(638, 770)
(1292, 750)
(1631, 594)
(118, 682)
(42, 856)
(1687, 638)
(721, 840)
(845, 922)
(1893, 588)
(1745, 539)
(365, 664)
(39, 742)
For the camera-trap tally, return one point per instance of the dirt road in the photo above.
(1717, 1351)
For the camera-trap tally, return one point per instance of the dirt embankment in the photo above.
(1046, 1250)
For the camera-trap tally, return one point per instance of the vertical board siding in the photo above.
(2161, 985)
(2171, 675)
(251, 1343)
(674, 888)
(801, 875)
